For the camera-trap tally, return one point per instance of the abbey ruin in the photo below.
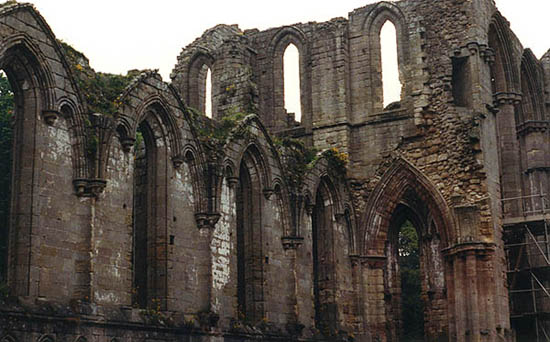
(135, 217)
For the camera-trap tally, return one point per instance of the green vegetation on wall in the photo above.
(101, 91)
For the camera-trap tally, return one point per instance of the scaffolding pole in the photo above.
(528, 256)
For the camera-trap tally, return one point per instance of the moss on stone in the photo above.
(101, 91)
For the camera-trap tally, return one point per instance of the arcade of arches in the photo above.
(256, 196)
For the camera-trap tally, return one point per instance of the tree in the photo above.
(6, 144)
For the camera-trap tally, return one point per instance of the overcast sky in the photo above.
(119, 35)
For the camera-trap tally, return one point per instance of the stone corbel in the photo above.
(504, 98)
(89, 187)
(292, 242)
(475, 48)
(127, 143)
(468, 248)
(232, 182)
(177, 161)
(207, 220)
(50, 116)
(532, 127)
(488, 55)
(340, 218)
(309, 209)
(372, 261)
(268, 193)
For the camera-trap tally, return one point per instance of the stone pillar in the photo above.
(509, 153)
(372, 269)
(472, 310)
(290, 245)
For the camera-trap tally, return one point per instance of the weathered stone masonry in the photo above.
(155, 223)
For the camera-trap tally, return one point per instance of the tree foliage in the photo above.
(412, 313)
(6, 143)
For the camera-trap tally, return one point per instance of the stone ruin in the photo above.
(134, 217)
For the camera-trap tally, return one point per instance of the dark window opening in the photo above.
(249, 250)
(141, 215)
(462, 92)
(6, 155)
(323, 267)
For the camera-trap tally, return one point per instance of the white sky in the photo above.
(118, 35)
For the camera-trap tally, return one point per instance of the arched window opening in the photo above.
(412, 308)
(249, 246)
(142, 213)
(6, 156)
(391, 84)
(291, 80)
(208, 94)
(324, 282)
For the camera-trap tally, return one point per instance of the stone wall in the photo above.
(309, 256)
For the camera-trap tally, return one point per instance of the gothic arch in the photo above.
(377, 17)
(339, 195)
(256, 135)
(532, 108)
(253, 157)
(31, 83)
(281, 40)
(250, 236)
(46, 338)
(401, 178)
(196, 80)
(402, 194)
(164, 105)
(8, 338)
(70, 112)
(506, 68)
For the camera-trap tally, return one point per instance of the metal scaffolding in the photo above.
(527, 248)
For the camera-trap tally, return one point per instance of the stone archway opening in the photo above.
(412, 305)
(415, 288)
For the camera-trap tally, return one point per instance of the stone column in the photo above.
(472, 311)
(509, 152)
(373, 302)
(290, 245)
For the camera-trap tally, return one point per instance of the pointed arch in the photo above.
(324, 258)
(405, 194)
(286, 36)
(505, 70)
(197, 75)
(532, 85)
(148, 95)
(254, 157)
(46, 338)
(8, 338)
(32, 84)
(250, 250)
(339, 194)
(400, 179)
(374, 21)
